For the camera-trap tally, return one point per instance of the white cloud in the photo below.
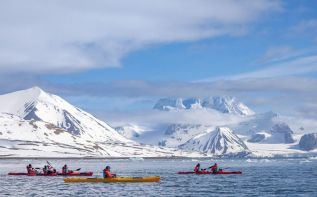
(306, 26)
(276, 53)
(154, 117)
(294, 66)
(66, 36)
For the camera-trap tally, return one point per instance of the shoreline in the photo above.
(158, 158)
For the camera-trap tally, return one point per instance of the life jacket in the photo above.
(196, 169)
(30, 170)
(107, 174)
(214, 168)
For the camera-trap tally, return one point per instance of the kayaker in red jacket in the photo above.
(214, 168)
(30, 169)
(197, 168)
(107, 173)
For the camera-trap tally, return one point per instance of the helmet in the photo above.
(108, 167)
(65, 165)
(198, 164)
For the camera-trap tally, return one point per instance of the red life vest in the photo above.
(214, 168)
(107, 174)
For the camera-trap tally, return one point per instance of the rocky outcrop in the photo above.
(283, 129)
(308, 142)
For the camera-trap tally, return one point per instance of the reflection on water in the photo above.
(269, 177)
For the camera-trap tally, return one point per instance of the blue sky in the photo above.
(124, 55)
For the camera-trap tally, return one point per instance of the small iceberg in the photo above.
(136, 159)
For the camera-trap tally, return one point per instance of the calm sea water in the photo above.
(261, 177)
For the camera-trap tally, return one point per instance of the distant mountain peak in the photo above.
(221, 141)
(229, 105)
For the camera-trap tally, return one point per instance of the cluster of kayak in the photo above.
(213, 170)
(49, 170)
(108, 177)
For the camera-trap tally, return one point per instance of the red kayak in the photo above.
(76, 173)
(31, 174)
(208, 172)
(53, 174)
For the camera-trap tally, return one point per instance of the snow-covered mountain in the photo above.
(228, 105)
(221, 141)
(35, 104)
(34, 123)
(38, 124)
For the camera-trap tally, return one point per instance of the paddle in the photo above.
(206, 168)
(49, 163)
(78, 169)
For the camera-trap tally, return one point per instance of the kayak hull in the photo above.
(54, 174)
(26, 174)
(17, 173)
(113, 180)
(206, 172)
(75, 174)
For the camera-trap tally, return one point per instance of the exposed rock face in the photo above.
(308, 142)
(284, 130)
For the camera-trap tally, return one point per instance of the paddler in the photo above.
(107, 173)
(48, 170)
(30, 169)
(65, 169)
(214, 168)
(197, 168)
(45, 170)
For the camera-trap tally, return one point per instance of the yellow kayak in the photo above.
(114, 180)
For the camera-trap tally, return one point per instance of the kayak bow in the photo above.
(114, 180)
(75, 174)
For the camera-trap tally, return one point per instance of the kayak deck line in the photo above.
(114, 180)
